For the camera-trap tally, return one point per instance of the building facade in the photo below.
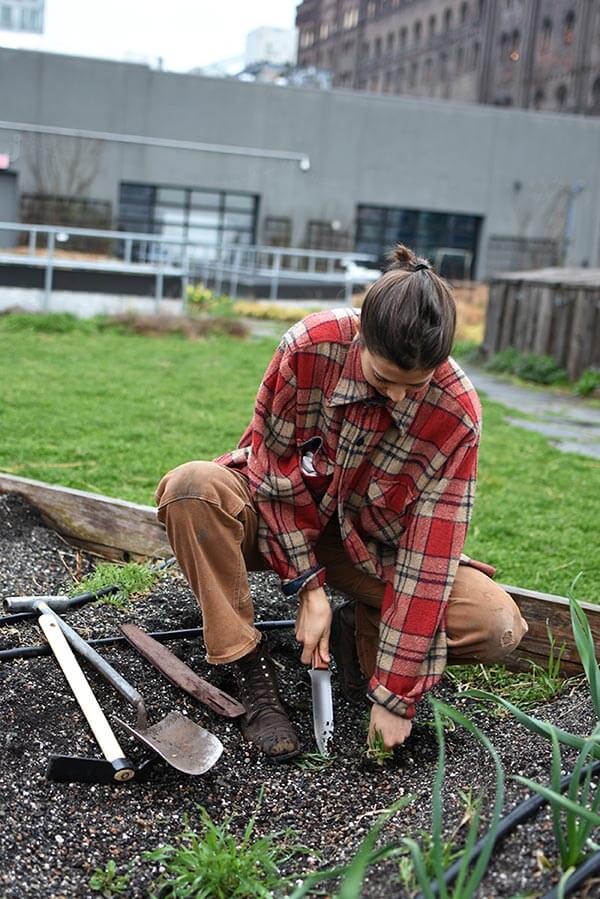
(22, 15)
(495, 188)
(541, 54)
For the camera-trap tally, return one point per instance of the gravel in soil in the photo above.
(55, 835)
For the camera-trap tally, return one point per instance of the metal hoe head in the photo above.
(183, 744)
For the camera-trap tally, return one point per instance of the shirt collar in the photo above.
(352, 387)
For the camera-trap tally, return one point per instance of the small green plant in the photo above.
(314, 761)
(376, 750)
(576, 813)
(108, 882)
(132, 579)
(469, 875)
(528, 688)
(588, 383)
(450, 851)
(353, 874)
(214, 864)
(528, 366)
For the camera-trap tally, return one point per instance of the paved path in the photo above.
(570, 423)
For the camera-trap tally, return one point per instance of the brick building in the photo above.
(543, 54)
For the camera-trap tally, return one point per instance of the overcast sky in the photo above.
(185, 33)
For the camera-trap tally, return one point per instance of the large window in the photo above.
(208, 217)
(379, 228)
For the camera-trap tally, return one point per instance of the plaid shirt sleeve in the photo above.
(412, 643)
(289, 524)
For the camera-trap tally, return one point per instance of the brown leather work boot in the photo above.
(342, 643)
(265, 723)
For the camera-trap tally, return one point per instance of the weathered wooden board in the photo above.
(541, 344)
(122, 530)
(543, 612)
(110, 527)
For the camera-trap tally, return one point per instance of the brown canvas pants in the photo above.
(211, 523)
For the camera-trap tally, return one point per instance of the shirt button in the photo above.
(360, 441)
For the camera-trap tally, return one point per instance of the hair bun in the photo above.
(404, 258)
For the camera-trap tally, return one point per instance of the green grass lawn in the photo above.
(111, 412)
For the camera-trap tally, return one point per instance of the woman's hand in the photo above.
(313, 625)
(393, 729)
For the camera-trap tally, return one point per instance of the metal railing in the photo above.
(225, 266)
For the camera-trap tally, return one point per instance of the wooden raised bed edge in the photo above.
(120, 530)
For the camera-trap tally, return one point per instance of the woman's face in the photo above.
(393, 382)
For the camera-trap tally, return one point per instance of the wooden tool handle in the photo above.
(81, 689)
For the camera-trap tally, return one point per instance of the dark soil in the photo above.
(55, 835)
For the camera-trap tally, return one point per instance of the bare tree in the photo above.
(64, 167)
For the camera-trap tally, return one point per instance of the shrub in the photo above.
(270, 311)
(206, 301)
(469, 351)
(528, 366)
(49, 322)
(588, 383)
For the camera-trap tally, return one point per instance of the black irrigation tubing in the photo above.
(31, 652)
(523, 812)
(81, 599)
(586, 869)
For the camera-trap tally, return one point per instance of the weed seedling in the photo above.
(353, 874)
(314, 761)
(108, 882)
(377, 751)
(528, 688)
(450, 851)
(213, 864)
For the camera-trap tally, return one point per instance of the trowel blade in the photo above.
(322, 707)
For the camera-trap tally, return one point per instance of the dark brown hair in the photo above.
(408, 315)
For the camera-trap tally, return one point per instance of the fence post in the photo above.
(32, 242)
(219, 273)
(185, 278)
(158, 295)
(235, 274)
(275, 277)
(48, 274)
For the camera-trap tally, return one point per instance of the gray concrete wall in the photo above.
(512, 167)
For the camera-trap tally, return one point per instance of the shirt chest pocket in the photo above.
(383, 513)
(316, 467)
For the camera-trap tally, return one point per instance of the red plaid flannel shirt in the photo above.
(400, 477)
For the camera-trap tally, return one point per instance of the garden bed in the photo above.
(54, 835)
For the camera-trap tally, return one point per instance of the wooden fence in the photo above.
(550, 312)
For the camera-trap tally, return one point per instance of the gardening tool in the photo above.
(322, 703)
(180, 742)
(32, 652)
(115, 766)
(180, 674)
